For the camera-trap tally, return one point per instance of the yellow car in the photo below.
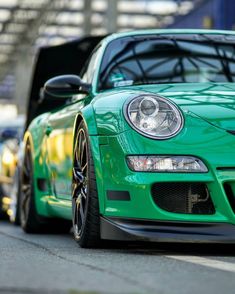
(9, 145)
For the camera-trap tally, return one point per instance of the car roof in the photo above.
(167, 31)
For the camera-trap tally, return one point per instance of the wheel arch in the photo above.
(88, 116)
(28, 138)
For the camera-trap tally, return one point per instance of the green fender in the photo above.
(88, 116)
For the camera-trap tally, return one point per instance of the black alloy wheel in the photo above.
(80, 176)
(28, 214)
(85, 206)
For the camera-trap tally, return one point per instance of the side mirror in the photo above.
(66, 86)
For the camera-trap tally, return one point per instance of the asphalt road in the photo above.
(55, 264)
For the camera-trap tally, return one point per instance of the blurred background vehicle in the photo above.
(11, 133)
(13, 210)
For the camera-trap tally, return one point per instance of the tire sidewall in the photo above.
(81, 238)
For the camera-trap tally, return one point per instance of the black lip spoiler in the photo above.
(165, 231)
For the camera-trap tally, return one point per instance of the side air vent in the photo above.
(118, 195)
(42, 185)
(226, 168)
(230, 192)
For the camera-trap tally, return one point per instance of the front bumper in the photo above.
(217, 152)
(164, 231)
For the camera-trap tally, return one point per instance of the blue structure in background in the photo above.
(210, 14)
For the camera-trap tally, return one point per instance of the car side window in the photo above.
(91, 66)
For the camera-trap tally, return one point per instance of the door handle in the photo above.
(48, 130)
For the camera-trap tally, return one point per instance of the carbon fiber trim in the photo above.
(165, 231)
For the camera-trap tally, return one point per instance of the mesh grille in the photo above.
(184, 197)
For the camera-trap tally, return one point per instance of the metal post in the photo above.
(87, 26)
(112, 15)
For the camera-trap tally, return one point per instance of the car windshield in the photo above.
(168, 59)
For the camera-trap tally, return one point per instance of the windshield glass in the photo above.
(168, 59)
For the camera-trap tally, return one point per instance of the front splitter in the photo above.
(165, 231)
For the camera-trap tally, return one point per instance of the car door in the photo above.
(59, 144)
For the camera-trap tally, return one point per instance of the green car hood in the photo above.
(215, 103)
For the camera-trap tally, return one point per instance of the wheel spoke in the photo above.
(75, 189)
(84, 167)
(78, 176)
(81, 211)
(79, 149)
(82, 153)
(26, 171)
(25, 188)
(83, 193)
(77, 156)
(76, 153)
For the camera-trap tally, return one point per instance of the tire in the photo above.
(85, 204)
(30, 221)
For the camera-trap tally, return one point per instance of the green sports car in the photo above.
(132, 137)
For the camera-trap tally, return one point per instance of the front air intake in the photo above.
(229, 188)
(183, 197)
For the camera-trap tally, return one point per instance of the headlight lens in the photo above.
(163, 163)
(154, 116)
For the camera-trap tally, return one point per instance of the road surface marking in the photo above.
(216, 264)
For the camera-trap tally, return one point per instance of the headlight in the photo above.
(154, 116)
(163, 163)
